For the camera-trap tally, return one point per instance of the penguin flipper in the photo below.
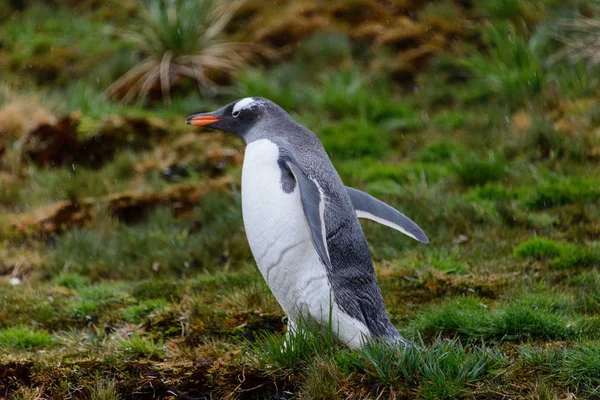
(313, 205)
(367, 206)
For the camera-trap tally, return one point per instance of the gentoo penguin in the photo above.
(302, 224)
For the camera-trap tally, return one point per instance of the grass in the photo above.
(564, 191)
(138, 346)
(511, 69)
(170, 246)
(443, 369)
(540, 317)
(489, 147)
(104, 390)
(473, 170)
(178, 39)
(562, 255)
(24, 338)
(137, 313)
(540, 248)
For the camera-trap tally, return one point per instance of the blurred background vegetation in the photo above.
(124, 267)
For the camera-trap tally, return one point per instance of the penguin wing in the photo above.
(313, 205)
(367, 206)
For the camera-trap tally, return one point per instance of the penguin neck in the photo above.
(271, 128)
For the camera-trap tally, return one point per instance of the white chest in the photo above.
(281, 244)
(277, 232)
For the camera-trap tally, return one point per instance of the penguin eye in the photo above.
(235, 114)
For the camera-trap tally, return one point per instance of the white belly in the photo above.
(281, 244)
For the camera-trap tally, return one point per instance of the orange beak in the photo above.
(202, 120)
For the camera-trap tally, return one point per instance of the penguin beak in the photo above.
(201, 119)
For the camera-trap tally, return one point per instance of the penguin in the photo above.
(302, 224)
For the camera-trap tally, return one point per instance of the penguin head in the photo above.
(239, 117)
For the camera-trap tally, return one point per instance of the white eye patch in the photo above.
(243, 104)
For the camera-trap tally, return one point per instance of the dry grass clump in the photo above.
(179, 39)
(581, 39)
(20, 114)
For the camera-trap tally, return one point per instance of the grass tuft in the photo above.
(137, 313)
(104, 389)
(178, 39)
(534, 317)
(474, 170)
(296, 348)
(139, 346)
(440, 152)
(565, 191)
(24, 338)
(581, 367)
(510, 70)
(540, 248)
(441, 370)
(72, 281)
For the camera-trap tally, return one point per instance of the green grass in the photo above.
(510, 69)
(442, 151)
(581, 367)
(539, 248)
(562, 255)
(24, 338)
(474, 170)
(137, 313)
(92, 301)
(138, 346)
(71, 281)
(564, 191)
(130, 251)
(533, 317)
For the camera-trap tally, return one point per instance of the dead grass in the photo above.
(20, 114)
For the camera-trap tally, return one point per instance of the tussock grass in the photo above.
(581, 367)
(441, 370)
(511, 69)
(178, 39)
(296, 348)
